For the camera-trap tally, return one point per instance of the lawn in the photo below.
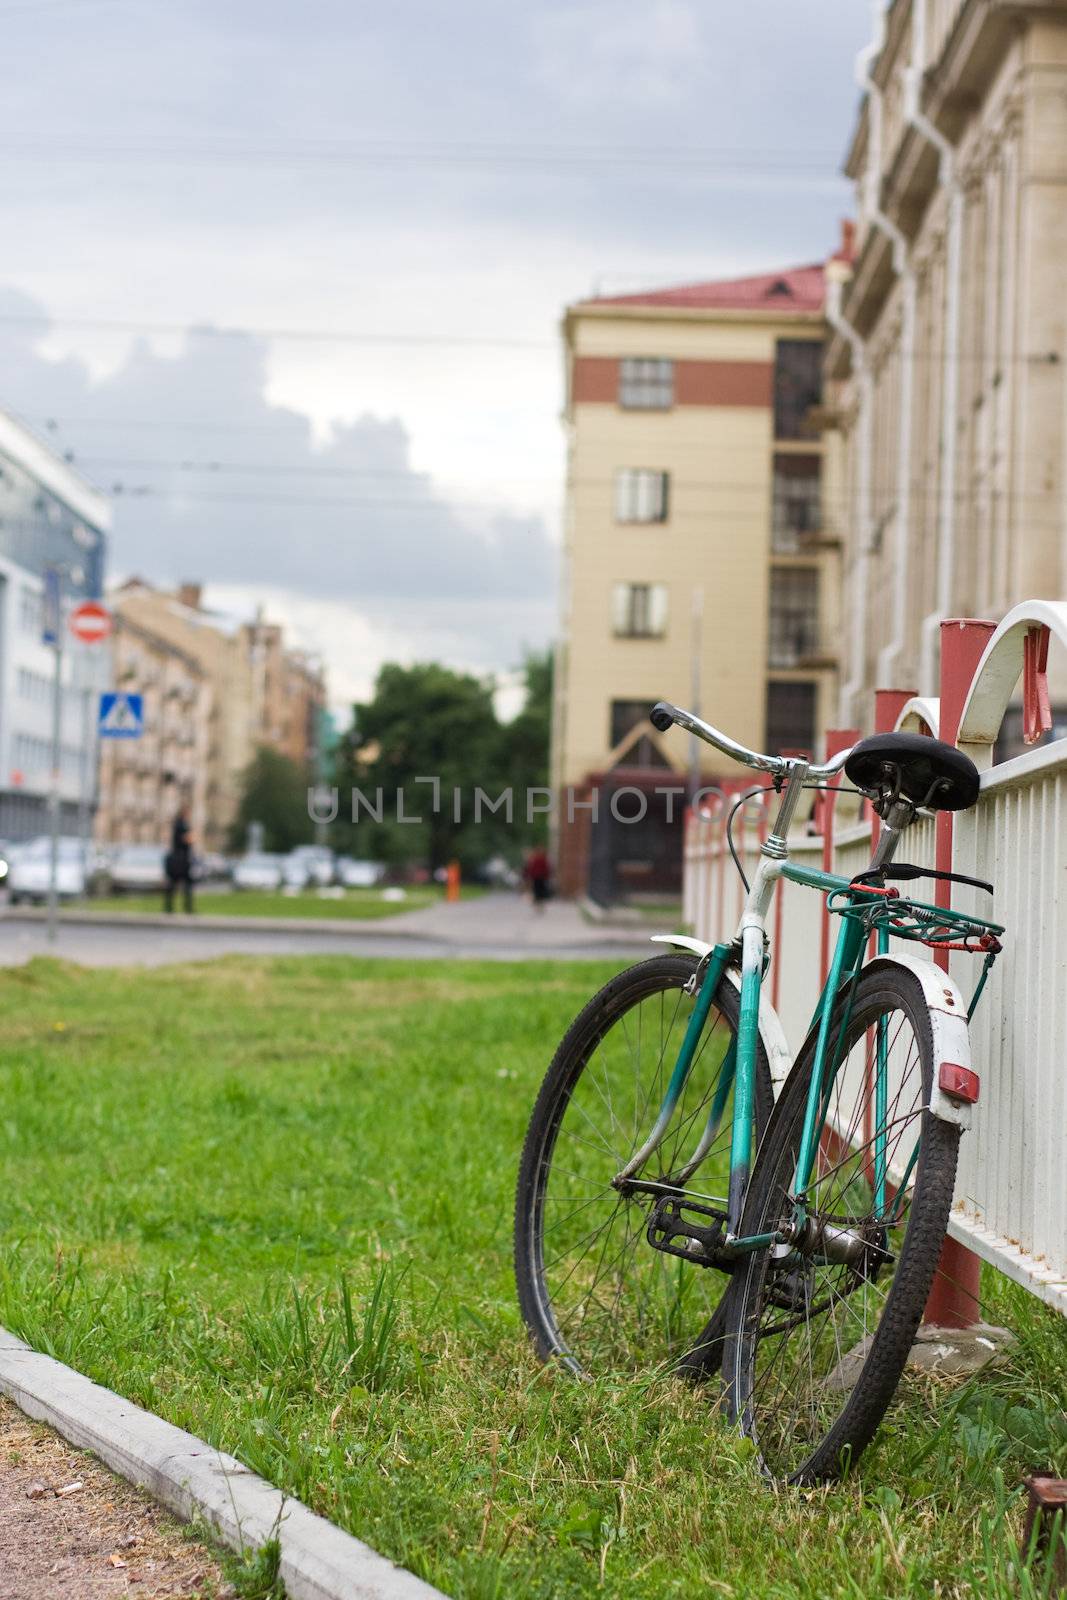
(271, 1200)
(360, 904)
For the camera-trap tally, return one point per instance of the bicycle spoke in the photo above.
(616, 1302)
(808, 1319)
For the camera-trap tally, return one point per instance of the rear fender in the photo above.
(948, 1020)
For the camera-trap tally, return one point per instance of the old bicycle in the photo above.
(672, 1215)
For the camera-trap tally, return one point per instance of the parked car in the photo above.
(259, 871)
(353, 874)
(137, 869)
(80, 870)
(310, 864)
(212, 867)
(295, 871)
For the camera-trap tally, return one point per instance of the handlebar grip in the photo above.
(662, 715)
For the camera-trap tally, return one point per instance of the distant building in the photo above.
(144, 780)
(289, 693)
(250, 691)
(947, 362)
(700, 559)
(49, 516)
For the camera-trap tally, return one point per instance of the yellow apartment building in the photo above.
(947, 361)
(699, 561)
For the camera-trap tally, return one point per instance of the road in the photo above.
(499, 927)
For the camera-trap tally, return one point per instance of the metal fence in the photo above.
(1011, 1190)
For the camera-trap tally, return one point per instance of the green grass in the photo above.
(272, 1202)
(360, 904)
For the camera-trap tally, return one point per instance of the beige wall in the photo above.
(715, 539)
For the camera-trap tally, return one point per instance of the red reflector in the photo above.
(959, 1083)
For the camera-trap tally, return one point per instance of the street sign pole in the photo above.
(53, 633)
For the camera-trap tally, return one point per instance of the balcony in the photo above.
(801, 648)
(797, 638)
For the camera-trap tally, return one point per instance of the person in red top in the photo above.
(537, 874)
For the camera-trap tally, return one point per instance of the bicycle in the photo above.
(804, 1283)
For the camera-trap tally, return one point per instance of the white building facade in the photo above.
(49, 517)
(947, 364)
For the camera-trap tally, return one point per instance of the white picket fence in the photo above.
(1011, 1190)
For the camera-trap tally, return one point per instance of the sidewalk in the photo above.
(491, 922)
(71, 1530)
(510, 919)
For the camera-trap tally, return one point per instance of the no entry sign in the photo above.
(90, 622)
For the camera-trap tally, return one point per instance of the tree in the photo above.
(423, 722)
(274, 793)
(526, 740)
(427, 722)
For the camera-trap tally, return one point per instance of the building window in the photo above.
(797, 386)
(639, 610)
(640, 495)
(625, 716)
(794, 620)
(646, 383)
(797, 504)
(790, 717)
(30, 611)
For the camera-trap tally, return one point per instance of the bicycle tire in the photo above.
(859, 1387)
(694, 1350)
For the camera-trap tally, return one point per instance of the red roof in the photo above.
(793, 289)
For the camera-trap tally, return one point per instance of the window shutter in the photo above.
(657, 609)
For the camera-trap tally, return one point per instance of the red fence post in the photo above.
(954, 1298)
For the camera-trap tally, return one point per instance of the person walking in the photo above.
(537, 872)
(178, 864)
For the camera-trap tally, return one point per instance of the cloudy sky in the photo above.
(390, 204)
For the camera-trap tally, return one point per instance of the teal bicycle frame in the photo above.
(738, 1070)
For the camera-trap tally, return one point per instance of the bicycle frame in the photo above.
(738, 1070)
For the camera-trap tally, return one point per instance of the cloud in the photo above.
(213, 482)
(627, 52)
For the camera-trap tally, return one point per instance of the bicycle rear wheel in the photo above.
(595, 1294)
(820, 1329)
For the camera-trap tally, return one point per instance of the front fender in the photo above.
(948, 1020)
(779, 1056)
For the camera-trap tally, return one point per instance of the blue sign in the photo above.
(121, 716)
(50, 618)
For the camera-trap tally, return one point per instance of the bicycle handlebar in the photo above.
(663, 715)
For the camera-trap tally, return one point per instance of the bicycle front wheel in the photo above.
(595, 1293)
(821, 1328)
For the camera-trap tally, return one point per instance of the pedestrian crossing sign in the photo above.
(121, 716)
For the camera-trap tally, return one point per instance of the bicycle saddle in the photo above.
(922, 769)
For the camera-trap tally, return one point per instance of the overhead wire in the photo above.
(458, 340)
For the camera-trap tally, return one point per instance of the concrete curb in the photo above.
(318, 1560)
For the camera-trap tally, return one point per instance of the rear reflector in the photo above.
(959, 1083)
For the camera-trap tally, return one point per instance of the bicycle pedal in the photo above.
(671, 1231)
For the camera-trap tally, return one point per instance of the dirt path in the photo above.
(102, 1539)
